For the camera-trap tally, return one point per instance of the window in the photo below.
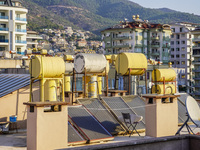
(2, 13)
(173, 29)
(2, 48)
(177, 56)
(18, 15)
(172, 36)
(18, 26)
(2, 2)
(172, 56)
(177, 36)
(183, 62)
(181, 29)
(172, 42)
(177, 49)
(177, 42)
(2, 25)
(172, 49)
(182, 42)
(183, 56)
(172, 63)
(182, 35)
(183, 48)
(18, 49)
(177, 63)
(182, 76)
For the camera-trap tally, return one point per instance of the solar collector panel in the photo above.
(102, 114)
(87, 124)
(118, 106)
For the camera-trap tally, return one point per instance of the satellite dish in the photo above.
(193, 110)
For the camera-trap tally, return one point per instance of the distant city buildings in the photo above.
(32, 39)
(181, 52)
(12, 27)
(138, 36)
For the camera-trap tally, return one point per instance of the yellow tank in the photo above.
(47, 67)
(168, 74)
(67, 83)
(99, 80)
(50, 90)
(86, 84)
(108, 57)
(43, 52)
(124, 61)
(68, 58)
(107, 68)
(113, 58)
(169, 89)
(93, 87)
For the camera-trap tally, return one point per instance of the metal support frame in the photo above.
(187, 126)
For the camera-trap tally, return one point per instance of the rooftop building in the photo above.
(12, 27)
(138, 36)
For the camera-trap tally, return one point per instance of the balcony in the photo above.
(197, 85)
(21, 30)
(20, 42)
(126, 45)
(196, 39)
(138, 45)
(196, 47)
(122, 38)
(166, 46)
(4, 29)
(155, 38)
(3, 40)
(155, 53)
(155, 45)
(3, 17)
(166, 38)
(196, 70)
(20, 19)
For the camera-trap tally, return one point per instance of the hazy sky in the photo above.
(190, 6)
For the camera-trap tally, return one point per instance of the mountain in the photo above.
(95, 15)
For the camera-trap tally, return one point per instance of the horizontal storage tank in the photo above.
(113, 59)
(68, 57)
(124, 61)
(93, 63)
(48, 67)
(69, 68)
(168, 74)
(169, 89)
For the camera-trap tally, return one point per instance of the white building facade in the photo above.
(12, 27)
(181, 52)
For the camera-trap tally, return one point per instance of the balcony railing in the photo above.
(138, 45)
(166, 46)
(122, 38)
(155, 45)
(155, 53)
(20, 19)
(3, 29)
(125, 45)
(4, 41)
(20, 30)
(155, 37)
(196, 39)
(20, 42)
(3, 17)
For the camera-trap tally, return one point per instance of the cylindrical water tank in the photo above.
(28, 52)
(137, 62)
(47, 67)
(68, 57)
(93, 63)
(50, 90)
(43, 52)
(69, 68)
(113, 58)
(99, 80)
(169, 89)
(67, 84)
(93, 87)
(86, 84)
(161, 74)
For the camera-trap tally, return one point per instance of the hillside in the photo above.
(95, 15)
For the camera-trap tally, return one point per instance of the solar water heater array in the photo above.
(12, 82)
(102, 114)
(118, 106)
(87, 124)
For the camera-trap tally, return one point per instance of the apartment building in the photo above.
(32, 38)
(12, 27)
(181, 53)
(196, 62)
(138, 36)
